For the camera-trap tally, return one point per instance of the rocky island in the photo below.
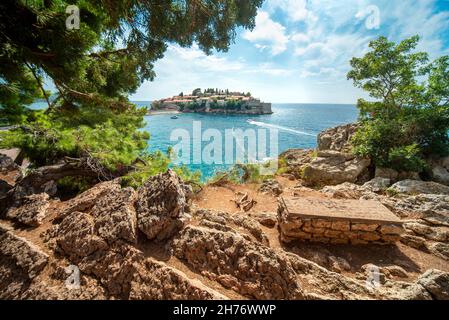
(212, 101)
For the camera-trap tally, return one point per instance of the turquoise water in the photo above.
(297, 124)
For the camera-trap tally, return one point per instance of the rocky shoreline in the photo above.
(162, 241)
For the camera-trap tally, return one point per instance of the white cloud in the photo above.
(317, 37)
(194, 57)
(300, 37)
(296, 10)
(268, 32)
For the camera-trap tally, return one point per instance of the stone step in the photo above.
(362, 211)
(337, 221)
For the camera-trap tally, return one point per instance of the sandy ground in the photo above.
(414, 261)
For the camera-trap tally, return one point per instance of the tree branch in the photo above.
(39, 84)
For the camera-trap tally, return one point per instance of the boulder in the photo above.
(247, 267)
(377, 184)
(394, 175)
(156, 281)
(267, 219)
(115, 217)
(19, 253)
(161, 206)
(419, 187)
(271, 187)
(338, 138)
(7, 163)
(439, 249)
(344, 190)
(333, 167)
(86, 200)
(386, 173)
(433, 208)
(293, 161)
(224, 221)
(429, 232)
(440, 170)
(76, 237)
(32, 211)
(436, 282)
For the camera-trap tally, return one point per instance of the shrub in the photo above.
(410, 119)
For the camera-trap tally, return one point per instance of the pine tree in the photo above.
(94, 69)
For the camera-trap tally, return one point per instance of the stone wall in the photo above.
(336, 231)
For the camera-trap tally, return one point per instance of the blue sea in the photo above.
(297, 126)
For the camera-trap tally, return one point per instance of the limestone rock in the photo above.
(247, 267)
(267, 219)
(327, 284)
(271, 187)
(224, 221)
(406, 291)
(391, 229)
(76, 237)
(432, 208)
(420, 187)
(156, 281)
(440, 170)
(161, 206)
(436, 282)
(338, 264)
(377, 184)
(86, 200)
(439, 249)
(115, 217)
(19, 253)
(395, 271)
(295, 160)
(429, 232)
(7, 164)
(413, 241)
(337, 138)
(344, 190)
(332, 168)
(386, 173)
(32, 210)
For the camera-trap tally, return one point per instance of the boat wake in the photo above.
(274, 126)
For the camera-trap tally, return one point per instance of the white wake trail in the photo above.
(274, 126)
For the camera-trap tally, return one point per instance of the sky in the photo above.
(299, 50)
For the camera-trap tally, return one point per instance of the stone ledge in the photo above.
(363, 211)
(337, 221)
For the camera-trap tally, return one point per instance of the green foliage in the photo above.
(95, 68)
(282, 166)
(406, 158)
(233, 105)
(74, 185)
(197, 92)
(113, 140)
(152, 164)
(242, 173)
(409, 119)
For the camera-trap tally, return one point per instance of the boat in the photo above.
(174, 117)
